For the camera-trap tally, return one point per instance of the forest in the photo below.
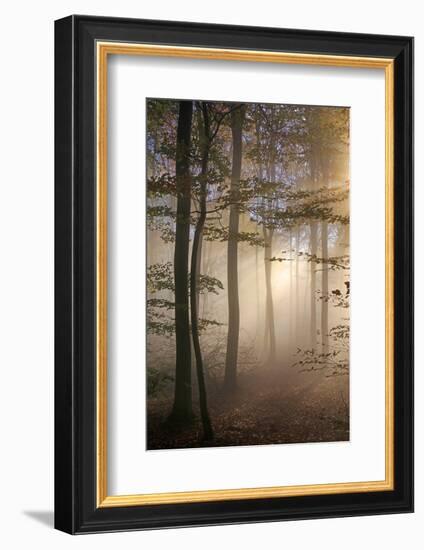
(247, 273)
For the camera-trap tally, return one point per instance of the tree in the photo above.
(313, 153)
(182, 408)
(272, 144)
(205, 142)
(333, 153)
(230, 381)
(297, 294)
(325, 145)
(334, 361)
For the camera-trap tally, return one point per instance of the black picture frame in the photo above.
(76, 510)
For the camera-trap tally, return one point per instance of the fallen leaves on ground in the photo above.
(272, 407)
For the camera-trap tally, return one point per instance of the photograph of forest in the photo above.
(247, 273)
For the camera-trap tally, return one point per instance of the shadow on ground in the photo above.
(46, 517)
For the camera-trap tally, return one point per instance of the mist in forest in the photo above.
(247, 273)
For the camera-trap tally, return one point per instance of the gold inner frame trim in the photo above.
(103, 50)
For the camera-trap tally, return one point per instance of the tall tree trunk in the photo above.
(196, 253)
(230, 379)
(258, 312)
(182, 409)
(291, 316)
(268, 235)
(305, 310)
(264, 324)
(324, 301)
(314, 250)
(270, 323)
(297, 287)
(324, 254)
(265, 347)
(314, 245)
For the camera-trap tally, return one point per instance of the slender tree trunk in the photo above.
(269, 234)
(314, 245)
(269, 301)
(291, 330)
(265, 322)
(257, 292)
(297, 287)
(324, 253)
(314, 250)
(230, 381)
(182, 409)
(306, 303)
(324, 302)
(194, 278)
(265, 348)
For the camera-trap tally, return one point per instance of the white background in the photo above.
(26, 276)
(131, 80)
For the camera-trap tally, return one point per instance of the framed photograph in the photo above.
(234, 270)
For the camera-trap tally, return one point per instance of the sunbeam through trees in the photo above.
(248, 281)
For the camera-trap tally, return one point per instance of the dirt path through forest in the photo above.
(269, 408)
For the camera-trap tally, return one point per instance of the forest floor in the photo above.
(270, 407)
